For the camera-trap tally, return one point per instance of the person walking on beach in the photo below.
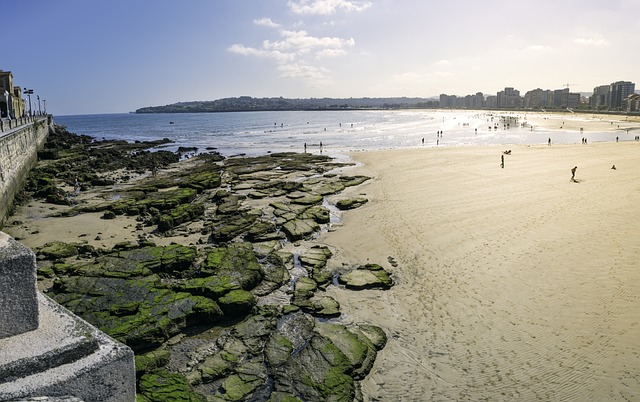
(502, 161)
(549, 141)
(573, 173)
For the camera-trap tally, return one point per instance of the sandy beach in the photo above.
(513, 283)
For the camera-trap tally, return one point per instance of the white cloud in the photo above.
(592, 40)
(330, 53)
(301, 40)
(539, 48)
(442, 63)
(266, 22)
(298, 53)
(271, 54)
(315, 76)
(326, 7)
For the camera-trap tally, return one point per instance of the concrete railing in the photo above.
(45, 350)
(10, 124)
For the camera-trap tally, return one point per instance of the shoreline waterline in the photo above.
(340, 132)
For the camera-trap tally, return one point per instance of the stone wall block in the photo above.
(18, 292)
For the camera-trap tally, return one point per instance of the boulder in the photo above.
(57, 250)
(162, 385)
(318, 213)
(366, 277)
(351, 203)
(298, 229)
(315, 261)
(237, 302)
(151, 361)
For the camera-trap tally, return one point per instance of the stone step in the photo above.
(65, 356)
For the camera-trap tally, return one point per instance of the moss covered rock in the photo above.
(151, 361)
(351, 203)
(57, 250)
(366, 277)
(298, 229)
(162, 385)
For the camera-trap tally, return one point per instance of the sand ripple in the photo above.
(513, 284)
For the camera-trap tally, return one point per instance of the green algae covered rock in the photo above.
(225, 228)
(237, 302)
(151, 361)
(238, 386)
(356, 347)
(57, 250)
(180, 214)
(324, 306)
(318, 372)
(137, 262)
(161, 385)
(165, 200)
(375, 334)
(366, 277)
(283, 397)
(351, 203)
(202, 180)
(349, 181)
(305, 198)
(263, 231)
(138, 312)
(278, 350)
(237, 261)
(315, 261)
(298, 229)
(318, 213)
(304, 289)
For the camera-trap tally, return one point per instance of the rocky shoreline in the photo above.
(222, 293)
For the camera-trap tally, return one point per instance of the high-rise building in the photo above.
(509, 98)
(618, 92)
(600, 97)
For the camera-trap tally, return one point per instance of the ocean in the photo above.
(339, 132)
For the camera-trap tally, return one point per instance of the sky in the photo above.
(90, 56)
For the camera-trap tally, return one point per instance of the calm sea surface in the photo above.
(257, 133)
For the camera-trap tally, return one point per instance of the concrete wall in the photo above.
(18, 154)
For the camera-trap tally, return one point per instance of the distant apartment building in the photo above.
(618, 92)
(615, 96)
(474, 101)
(509, 98)
(537, 99)
(547, 99)
(456, 102)
(612, 96)
(632, 103)
(447, 101)
(600, 97)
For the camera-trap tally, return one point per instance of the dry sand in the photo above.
(512, 284)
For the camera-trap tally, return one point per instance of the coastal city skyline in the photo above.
(88, 58)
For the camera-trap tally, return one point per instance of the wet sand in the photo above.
(513, 283)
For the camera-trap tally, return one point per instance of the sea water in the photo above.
(258, 133)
